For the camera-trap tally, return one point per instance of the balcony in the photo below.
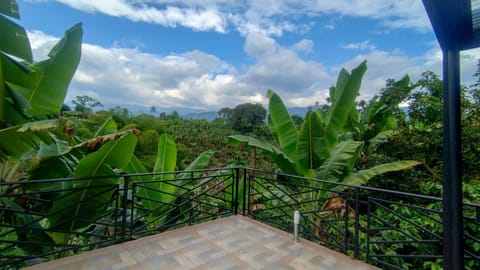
(236, 217)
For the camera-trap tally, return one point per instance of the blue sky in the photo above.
(211, 54)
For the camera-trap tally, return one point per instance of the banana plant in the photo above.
(375, 122)
(159, 192)
(318, 149)
(30, 90)
(91, 195)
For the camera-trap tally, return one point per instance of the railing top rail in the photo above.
(366, 188)
(421, 196)
(39, 181)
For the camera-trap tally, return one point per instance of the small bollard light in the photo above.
(296, 221)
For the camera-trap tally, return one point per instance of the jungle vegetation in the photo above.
(373, 142)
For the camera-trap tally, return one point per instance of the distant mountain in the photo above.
(210, 116)
(139, 109)
(300, 111)
(185, 112)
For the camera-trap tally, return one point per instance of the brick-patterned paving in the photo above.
(230, 243)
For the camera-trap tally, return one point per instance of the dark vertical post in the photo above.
(357, 224)
(452, 176)
(124, 206)
(244, 190)
(237, 178)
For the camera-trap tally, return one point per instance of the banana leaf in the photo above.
(14, 39)
(283, 125)
(158, 193)
(57, 72)
(89, 199)
(9, 8)
(14, 144)
(345, 93)
(108, 127)
(285, 164)
(311, 146)
(337, 165)
(361, 177)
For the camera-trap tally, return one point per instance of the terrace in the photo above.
(233, 217)
(47, 220)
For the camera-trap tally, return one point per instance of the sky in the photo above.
(211, 54)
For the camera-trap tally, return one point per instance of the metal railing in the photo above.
(390, 229)
(42, 220)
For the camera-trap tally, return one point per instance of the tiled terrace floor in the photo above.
(230, 243)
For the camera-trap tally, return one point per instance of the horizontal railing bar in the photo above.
(392, 242)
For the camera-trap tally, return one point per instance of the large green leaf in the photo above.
(88, 200)
(147, 190)
(337, 165)
(250, 141)
(285, 164)
(201, 161)
(58, 148)
(346, 91)
(14, 144)
(9, 8)
(20, 73)
(57, 72)
(135, 166)
(283, 125)
(2, 94)
(166, 162)
(311, 147)
(362, 177)
(14, 39)
(198, 163)
(108, 127)
(18, 140)
(166, 156)
(17, 93)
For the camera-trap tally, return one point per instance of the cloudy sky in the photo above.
(211, 54)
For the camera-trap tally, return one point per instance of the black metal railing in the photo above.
(43, 220)
(390, 229)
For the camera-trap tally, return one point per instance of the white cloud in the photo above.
(281, 69)
(392, 13)
(200, 19)
(304, 45)
(383, 65)
(363, 45)
(40, 44)
(269, 17)
(196, 79)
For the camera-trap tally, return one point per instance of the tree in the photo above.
(426, 103)
(153, 110)
(65, 108)
(247, 117)
(225, 113)
(84, 104)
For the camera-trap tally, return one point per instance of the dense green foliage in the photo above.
(369, 142)
(245, 117)
(329, 143)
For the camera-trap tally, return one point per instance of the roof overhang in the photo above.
(456, 23)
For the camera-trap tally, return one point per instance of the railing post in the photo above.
(368, 228)
(126, 180)
(453, 245)
(236, 179)
(357, 225)
(244, 190)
